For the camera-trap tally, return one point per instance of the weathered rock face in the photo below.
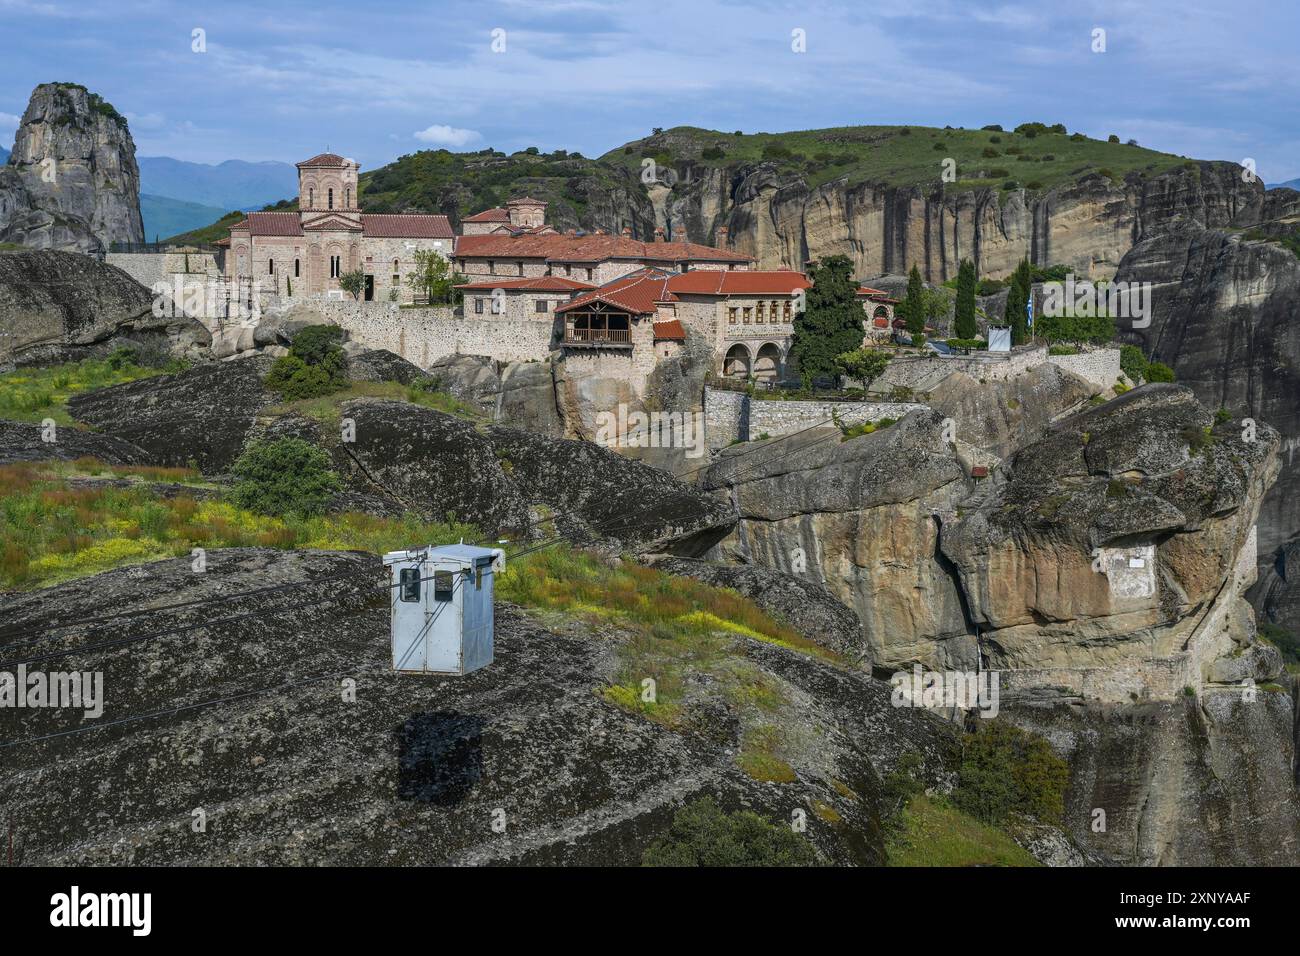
(857, 516)
(72, 182)
(1089, 224)
(60, 306)
(1277, 593)
(1046, 556)
(1226, 318)
(410, 772)
(20, 441)
(1194, 782)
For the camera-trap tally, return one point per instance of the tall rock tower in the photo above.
(72, 182)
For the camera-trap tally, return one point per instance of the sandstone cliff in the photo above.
(72, 182)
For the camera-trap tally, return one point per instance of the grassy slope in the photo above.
(34, 394)
(937, 834)
(903, 155)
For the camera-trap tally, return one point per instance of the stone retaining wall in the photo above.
(729, 416)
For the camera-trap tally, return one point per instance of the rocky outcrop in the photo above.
(71, 182)
(415, 769)
(1089, 224)
(1224, 317)
(60, 306)
(1277, 593)
(20, 441)
(1110, 556)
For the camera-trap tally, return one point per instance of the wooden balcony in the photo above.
(598, 338)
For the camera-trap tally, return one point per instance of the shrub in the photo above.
(1062, 350)
(284, 476)
(123, 357)
(1112, 138)
(703, 835)
(1159, 372)
(315, 365)
(712, 152)
(1006, 771)
(990, 152)
(1133, 362)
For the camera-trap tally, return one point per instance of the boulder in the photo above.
(471, 378)
(20, 441)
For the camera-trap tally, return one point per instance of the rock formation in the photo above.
(72, 182)
(60, 306)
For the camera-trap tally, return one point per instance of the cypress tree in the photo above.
(1018, 301)
(964, 319)
(832, 321)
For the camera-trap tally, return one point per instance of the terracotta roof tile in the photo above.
(406, 226)
(325, 159)
(636, 293)
(731, 282)
(489, 215)
(670, 331)
(273, 224)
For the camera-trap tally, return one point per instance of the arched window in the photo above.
(311, 197)
(296, 268)
(394, 265)
(347, 198)
(331, 198)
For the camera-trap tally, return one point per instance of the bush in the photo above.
(1159, 372)
(1062, 350)
(123, 357)
(1006, 771)
(284, 476)
(316, 365)
(1133, 362)
(703, 835)
(712, 152)
(990, 152)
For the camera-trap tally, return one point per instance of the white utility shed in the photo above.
(441, 602)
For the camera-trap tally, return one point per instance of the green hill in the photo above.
(164, 217)
(584, 192)
(1033, 156)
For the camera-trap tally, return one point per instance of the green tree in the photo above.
(316, 364)
(432, 277)
(913, 307)
(284, 476)
(1018, 301)
(1133, 363)
(964, 320)
(701, 834)
(864, 364)
(1159, 372)
(1007, 771)
(832, 320)
(353, 283)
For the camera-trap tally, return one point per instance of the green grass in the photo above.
(666, 629)
(935, 833)
(34, 394)
(888, 155)
(51, 532)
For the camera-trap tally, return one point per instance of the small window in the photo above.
(409, 580)
(442, 585)
(296, 267)
(542, 305)
(731, 315)
(331, 199)
(270, 267)
(478, 306)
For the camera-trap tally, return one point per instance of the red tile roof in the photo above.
(533, 284)
(406, 226)
(272, 224)
(561, 248)
(526, 201)
(875, 295)
(325, 159)
(327, 221)
(670, 331)
(729, 282)
(636, 293)
(489, 215)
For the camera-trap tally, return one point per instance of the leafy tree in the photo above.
(1018, 301)
(964, 320)
(864, 364)
(284, 476)
(316, 364)
(831, 323)
(701, 834)
(432, 277)
(1133, 363)
(912, 308)
(353, 283)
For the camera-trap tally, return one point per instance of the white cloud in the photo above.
(441, 135)
(8, 121)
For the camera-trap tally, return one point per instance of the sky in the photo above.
(284, 80)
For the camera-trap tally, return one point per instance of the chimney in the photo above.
(627, 232)
(659, 234)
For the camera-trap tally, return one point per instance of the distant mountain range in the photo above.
(177, 196)
(4, 155)
(1289, 184)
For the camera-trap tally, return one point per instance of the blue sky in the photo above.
(374, 80)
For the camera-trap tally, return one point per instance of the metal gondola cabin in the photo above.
(441, 602)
